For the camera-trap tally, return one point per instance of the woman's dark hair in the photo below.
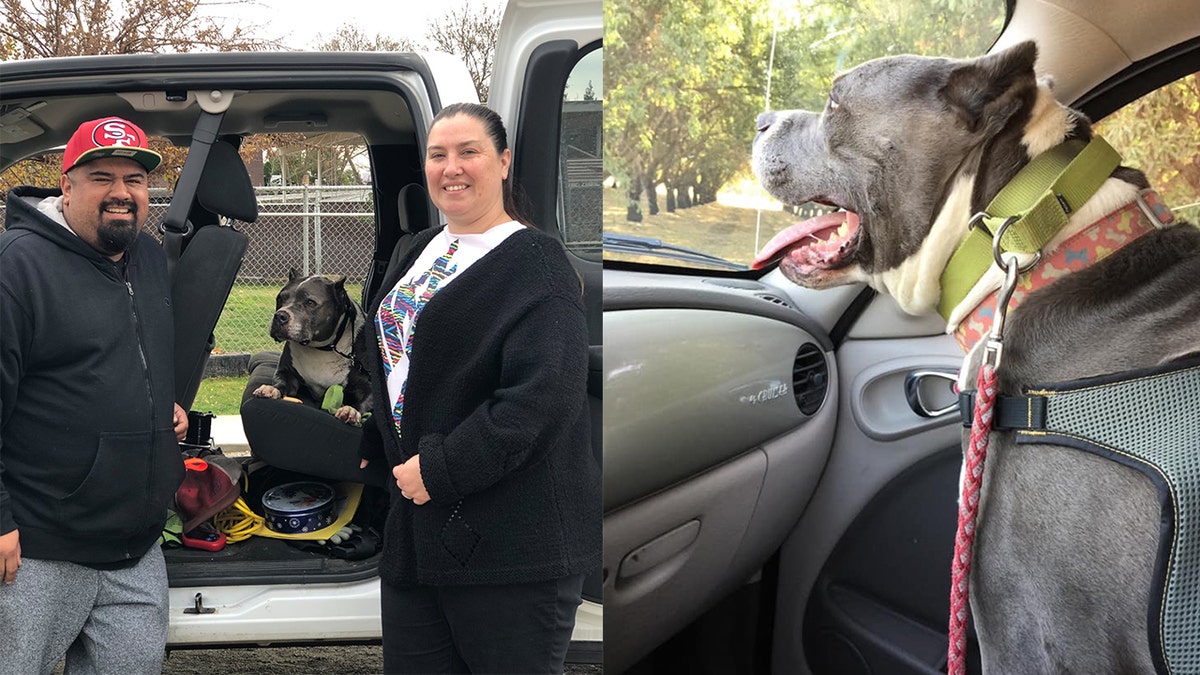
(513, 198)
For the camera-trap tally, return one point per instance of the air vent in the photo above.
(775, 299)
(810, 378)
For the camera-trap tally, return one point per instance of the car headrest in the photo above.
(225, 187)
(414, 208)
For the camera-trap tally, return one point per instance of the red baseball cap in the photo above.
(109, 137)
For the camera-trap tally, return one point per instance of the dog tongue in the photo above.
(803, 233)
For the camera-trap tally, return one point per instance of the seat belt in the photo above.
(175, 227)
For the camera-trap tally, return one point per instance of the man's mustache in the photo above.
(120, 204)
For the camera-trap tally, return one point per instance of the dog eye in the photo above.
(310, 303)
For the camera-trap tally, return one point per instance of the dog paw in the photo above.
(267, 391)
(348, 414)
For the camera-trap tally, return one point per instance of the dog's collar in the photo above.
(1031, 209)
(1088, 246)
(332, 346)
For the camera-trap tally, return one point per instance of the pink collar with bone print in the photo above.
(1090, 245)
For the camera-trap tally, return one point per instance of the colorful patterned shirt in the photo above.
(445, 257)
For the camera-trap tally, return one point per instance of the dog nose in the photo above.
(765, 120)
(281, 317)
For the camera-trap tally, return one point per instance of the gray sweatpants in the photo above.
(104, 621)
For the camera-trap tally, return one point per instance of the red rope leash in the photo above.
(960, 573)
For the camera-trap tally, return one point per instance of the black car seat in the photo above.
(414, 217)
(414, 212)
(209, 263)
(301, 437)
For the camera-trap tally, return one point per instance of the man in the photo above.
(89, 455)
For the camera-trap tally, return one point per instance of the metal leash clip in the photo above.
(993, 351)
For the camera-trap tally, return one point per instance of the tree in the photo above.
(320, 159)
(351, 38)
(470, 34)
(45, 28)
(1157, 133)
(326, 160)
(682, 88)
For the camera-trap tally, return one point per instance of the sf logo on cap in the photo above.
(115, 132)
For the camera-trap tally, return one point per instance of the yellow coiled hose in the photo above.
(238, 522)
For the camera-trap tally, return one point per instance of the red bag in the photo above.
(208, 488)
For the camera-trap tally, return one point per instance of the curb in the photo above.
(227, 365)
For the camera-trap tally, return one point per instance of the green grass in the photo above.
(220, 395)
(246, 318)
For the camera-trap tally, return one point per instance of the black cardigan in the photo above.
(496, 406)
(87, 378)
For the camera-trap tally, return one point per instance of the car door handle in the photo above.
(913, 387)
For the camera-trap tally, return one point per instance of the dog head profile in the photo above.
(906, 149)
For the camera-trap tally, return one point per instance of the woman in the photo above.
(480, 393)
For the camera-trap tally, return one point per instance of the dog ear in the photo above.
(293, 274)
(339, 282)
(985, 92)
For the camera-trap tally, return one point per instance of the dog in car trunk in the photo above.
(962, 185)
(319, 324)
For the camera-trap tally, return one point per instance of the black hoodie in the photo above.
(88, 457)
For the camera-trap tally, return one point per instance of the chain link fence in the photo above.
(314, 229)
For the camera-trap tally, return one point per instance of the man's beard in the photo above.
(116, 235)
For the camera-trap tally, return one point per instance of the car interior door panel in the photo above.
(879, 604)
(874, 396)
(888, 495)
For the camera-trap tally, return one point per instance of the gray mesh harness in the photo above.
(1094, 415)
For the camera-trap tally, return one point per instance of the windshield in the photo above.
(684, 81)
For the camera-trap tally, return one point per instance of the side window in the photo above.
(1158, 133)
(581, 169)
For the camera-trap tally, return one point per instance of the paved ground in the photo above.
(343, 660)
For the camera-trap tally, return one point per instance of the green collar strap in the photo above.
(1038, 200)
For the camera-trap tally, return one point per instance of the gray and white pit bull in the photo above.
(910, 148)
(319, 324)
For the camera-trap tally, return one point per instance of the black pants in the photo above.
(517, 628)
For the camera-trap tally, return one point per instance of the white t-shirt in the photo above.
(445, 257)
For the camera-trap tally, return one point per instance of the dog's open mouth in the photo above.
(820, 243)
